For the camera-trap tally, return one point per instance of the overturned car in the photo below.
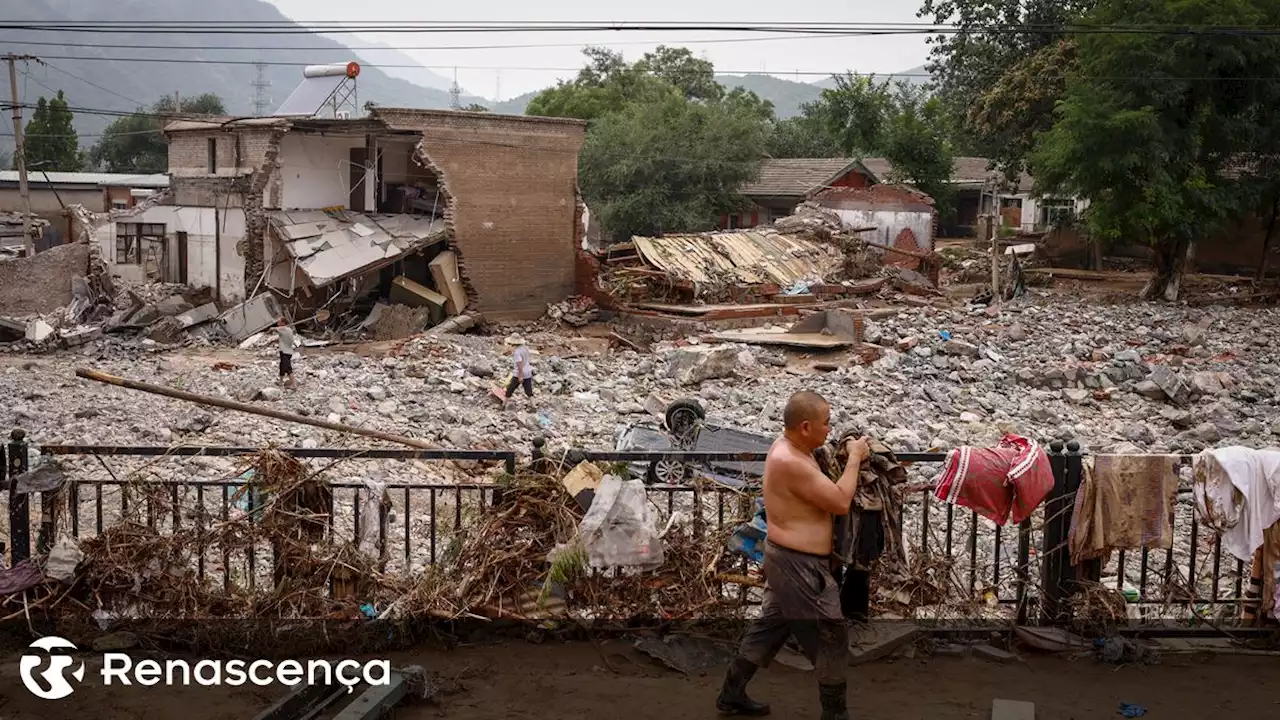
(685, 428)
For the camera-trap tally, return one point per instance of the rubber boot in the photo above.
(733, 698)
(834, 704)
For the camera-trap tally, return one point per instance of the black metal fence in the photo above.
(1020, 572)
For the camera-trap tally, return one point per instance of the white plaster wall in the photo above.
(202, 241)
(890, 223)
(315, 171)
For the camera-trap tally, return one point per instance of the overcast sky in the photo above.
(525, 69)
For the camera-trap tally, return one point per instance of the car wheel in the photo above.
(683, 416)
(667, 472)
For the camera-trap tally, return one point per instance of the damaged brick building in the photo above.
(324, 212)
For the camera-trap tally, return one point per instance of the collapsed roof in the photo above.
(330, 245)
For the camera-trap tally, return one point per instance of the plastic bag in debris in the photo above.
(620, 529)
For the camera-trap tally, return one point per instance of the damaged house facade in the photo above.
(446, 210)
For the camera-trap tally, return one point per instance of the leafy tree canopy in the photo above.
(1167, 135)
(135, 144)
(51, 143)
(667, 146)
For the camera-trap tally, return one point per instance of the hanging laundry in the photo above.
(1124, 502)
(1011, 478)
(1237, 493)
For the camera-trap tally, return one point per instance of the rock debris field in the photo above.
(1122, 378)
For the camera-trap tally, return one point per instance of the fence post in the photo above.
(1056, 573)
(539, 442)
(19, 503)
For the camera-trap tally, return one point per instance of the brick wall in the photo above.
(512, 186)
(189, 151)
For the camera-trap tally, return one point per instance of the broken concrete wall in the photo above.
(41, 283)
(890, 209)
(246, 175)
(513, 202)
(210, 232)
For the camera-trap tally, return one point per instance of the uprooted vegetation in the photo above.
(521, 558)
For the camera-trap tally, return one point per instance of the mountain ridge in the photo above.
(93, 78)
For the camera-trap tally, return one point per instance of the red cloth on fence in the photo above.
(1013, 477)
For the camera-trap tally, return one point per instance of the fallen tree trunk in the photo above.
(248, 408)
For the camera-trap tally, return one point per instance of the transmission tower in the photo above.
(455, 92)
(261, 102)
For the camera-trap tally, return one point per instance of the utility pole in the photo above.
(995, 247)
(177, 102)
(28, 243)
(455, 93)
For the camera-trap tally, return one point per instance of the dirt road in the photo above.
(521, 680)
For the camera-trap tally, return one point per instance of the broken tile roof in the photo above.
(798, 177)
(332, 245)
(757, 256)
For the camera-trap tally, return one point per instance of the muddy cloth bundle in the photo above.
(1012, 478)
(873, 526)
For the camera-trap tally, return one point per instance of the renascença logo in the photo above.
(120, 669)
(54, 676)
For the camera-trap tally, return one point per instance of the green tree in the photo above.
(1000, 76)
(693, 76)
(605, 85)
(803, 136)
(671, 166)
(51, 143)
(860, 117)
(1168, 135)
(608, 84)
(135, 143)
(915, 143)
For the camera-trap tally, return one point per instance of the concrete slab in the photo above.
(1012, 710)
(196, 316)
(879, 640)
(251, 316)
(38, 331)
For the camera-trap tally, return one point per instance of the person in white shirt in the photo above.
(288, 346)
(523, 368)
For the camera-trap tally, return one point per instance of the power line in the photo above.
(508, 46)
(286, 27)
(503, 68)
(91, 84)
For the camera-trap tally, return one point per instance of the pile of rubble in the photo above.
(1153, 377)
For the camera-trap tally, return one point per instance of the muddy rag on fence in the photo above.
(1125, 502)
(1237, 493)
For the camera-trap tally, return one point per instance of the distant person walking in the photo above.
(288, 347)
(523, 368)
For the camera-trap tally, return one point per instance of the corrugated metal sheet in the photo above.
(739, 257)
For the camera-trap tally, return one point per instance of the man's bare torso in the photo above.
(794, 522)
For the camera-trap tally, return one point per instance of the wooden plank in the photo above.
(444, 272)
(801, 340)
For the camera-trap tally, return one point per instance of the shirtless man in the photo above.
(801, 597)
